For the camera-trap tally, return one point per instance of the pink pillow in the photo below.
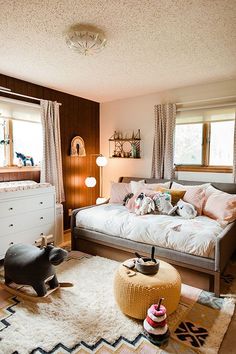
(119, 191)
(195, 196)
(220, 206)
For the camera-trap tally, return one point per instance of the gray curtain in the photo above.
(234, 165)
(51, 170)
(163, 146)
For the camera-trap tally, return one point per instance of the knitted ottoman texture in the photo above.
(136, 293)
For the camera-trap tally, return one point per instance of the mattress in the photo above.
(196, 236)
(21, 185)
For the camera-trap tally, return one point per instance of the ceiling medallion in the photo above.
(85, 39)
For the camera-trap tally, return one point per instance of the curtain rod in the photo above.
(9, 92)
(206, 100)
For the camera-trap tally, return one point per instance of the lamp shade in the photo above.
(101, 161)
(90, 182)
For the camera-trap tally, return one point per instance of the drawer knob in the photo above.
(41, 203)
(11, 225)
(10, 208)
(41, 218)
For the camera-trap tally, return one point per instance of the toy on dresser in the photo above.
(155, 325)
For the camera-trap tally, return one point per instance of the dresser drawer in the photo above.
(22, 205)
(17, 223)
(29, 236)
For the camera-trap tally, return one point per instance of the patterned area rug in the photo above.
(85, 318)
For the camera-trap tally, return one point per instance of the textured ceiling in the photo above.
(153, 45)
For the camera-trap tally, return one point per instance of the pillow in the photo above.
(220, 206)
(197, 197)
(118, 192)
(157, 185)
(186, 187)
(176, 195)
(137, 186)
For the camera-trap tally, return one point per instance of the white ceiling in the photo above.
(152, 45)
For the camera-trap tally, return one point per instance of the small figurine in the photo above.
(155, 325)
(25, 159)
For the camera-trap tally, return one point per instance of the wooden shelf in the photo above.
(125, 148)
(135, 139)
(126, 158)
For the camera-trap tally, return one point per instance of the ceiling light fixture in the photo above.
(85, 39)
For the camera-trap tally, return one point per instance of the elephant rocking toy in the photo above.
(26, 264)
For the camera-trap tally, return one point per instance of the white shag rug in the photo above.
(85, 312)
(85, 318)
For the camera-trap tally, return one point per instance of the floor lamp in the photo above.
(101, 161)
(90, 181)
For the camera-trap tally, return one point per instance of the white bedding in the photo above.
(196, 236)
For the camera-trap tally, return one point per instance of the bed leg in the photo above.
(217, 284)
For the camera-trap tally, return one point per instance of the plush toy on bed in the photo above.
(163, 203)
(146, 207)
(127, 198)
(186, 210)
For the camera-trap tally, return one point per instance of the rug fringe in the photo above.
(213, 343)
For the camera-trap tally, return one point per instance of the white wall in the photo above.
(135, 113)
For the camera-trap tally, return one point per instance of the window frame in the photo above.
(9, 150)
(204, 167)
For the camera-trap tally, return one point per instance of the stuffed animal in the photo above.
(186, 210)
(29, 265)
(127, 198)
(163, 203)
(24, 158)
(138, 202)
(146, 207)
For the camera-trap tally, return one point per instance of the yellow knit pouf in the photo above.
(135, 294)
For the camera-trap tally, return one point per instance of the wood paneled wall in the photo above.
(18, 176)
(78, 116)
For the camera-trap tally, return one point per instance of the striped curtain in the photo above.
(234, 165)
(163, 146)
(51, 170)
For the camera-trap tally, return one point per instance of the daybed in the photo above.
(110, 230)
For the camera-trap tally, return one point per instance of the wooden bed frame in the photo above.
(196, 271)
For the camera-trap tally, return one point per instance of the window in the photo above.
(204, 140)
(188, 140)
(20, 131)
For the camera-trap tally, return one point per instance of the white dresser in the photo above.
(26, 215)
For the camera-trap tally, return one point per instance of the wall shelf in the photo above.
(125, 148)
